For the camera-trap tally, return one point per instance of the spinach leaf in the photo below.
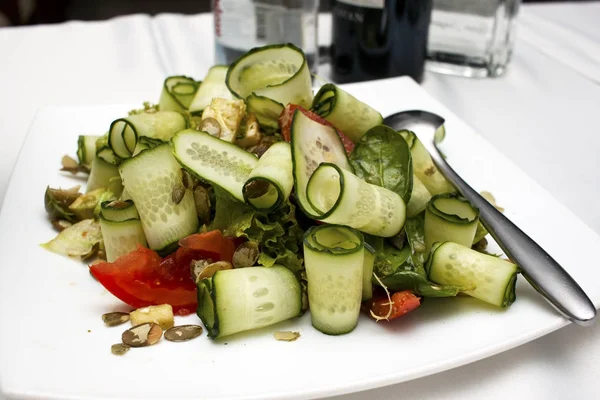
(382, 157)
(415, 235)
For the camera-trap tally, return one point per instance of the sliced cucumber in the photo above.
(104, 175)
(341, 197)
(104, 151)
(270, 183)
(488, 278)
(279, 72)
(345, 112)
(214, 160)
(334, 262)
(125, 132)
(118, 211)
(312, 144)
(267, 111)
(177, 93)
(368, 263)
(419, 198)
(86, 149)
(423, 166)
(121, 237)
(144, 143)
(212, 86)
(243, 299)
(451, 218)
(150, 178)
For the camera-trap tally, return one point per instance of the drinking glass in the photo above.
(471, 38)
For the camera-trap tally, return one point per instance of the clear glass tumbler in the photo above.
(243, 24)
(471, 38)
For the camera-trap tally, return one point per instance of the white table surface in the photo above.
(542, 114)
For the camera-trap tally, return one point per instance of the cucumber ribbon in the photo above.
(345, 112)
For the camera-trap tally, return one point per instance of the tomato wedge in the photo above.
(402, 303)
(210, 244)
(142, 278)
(285, 123)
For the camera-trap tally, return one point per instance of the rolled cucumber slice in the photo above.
(214, 160)
(313, 143)
(449, 217)
(177, 93)
(124, 133)
(104, 175)
(121, 237)
(119, 211)
(267, 111)
(212, 86)
(345, 112)
(343, 198)
(86, 149)
(150, 178)
(368, 263)
(423, 166)
(271, 181)
(419, 198)
(243, 299)
(488, 278)
(334, 262)
(279, 72)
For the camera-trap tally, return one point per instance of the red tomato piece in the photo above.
(211, 245)
(285, 123)
(141, 278)
(402, 303)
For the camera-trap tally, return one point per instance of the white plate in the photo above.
(54, 345)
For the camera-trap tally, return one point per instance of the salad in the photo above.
(249, 199)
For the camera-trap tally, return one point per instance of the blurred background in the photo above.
(30, 12)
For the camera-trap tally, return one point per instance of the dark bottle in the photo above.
(375, 39)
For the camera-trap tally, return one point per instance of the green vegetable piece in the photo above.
(450, 217)
(345, 112)
(382, 157)
(177, 93)
(85, 205)
(78, 240)
(277, 233)
(488, 278)
(57, 202)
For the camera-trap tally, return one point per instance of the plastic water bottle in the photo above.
(241, 25)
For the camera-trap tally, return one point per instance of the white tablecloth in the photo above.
(542, 114)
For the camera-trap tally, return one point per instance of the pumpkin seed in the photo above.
(119, 349)
(115, 318)
(287, 336)
(183, 333)
(71, 165)
(256, 188)
(178, 193)
(202, 202)
(399, 240)
(245, 255)
(196, 267)
(210, 126)
(187, 180)
(142, 335)
(118, 204)
(209, 270)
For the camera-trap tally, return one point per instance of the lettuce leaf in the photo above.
(278, 234)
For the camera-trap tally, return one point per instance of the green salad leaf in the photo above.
(404, 269)
(278, 234)
(382, 157)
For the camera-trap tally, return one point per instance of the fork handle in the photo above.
(537, 266)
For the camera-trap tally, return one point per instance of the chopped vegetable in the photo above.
(57, 202)
(401, 303)
(229, 115)
(141, 278)
(161, 315)
(80, 240)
